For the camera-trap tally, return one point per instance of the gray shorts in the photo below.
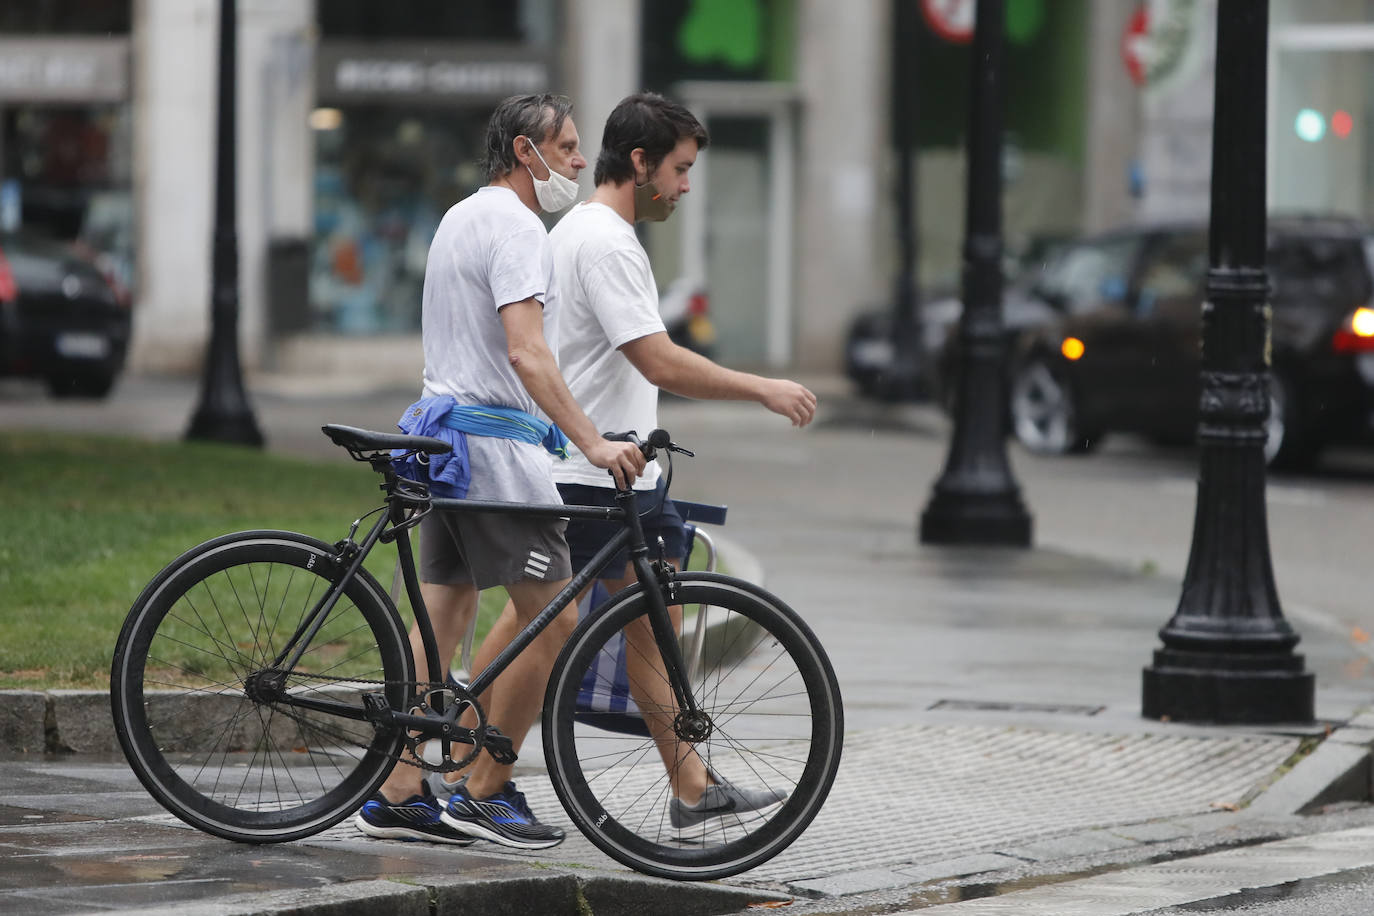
(488, 548)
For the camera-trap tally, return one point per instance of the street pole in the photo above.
(224, 414)
(1228, 653)
(904, 376)
(975, 500)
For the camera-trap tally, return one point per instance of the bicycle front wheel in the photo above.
(768, 735)
(208, 740)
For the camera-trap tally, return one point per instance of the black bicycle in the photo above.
(263, 686)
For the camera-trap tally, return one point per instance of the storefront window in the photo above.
(66, 147)
(383, 180)
(408, 20)
(65, 17)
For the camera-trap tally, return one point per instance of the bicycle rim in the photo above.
(775, 725)
(245, 769)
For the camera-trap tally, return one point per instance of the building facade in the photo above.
(359, 123)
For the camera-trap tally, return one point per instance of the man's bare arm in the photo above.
(538, 371)
(677, 369)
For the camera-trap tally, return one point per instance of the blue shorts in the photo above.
(587, 536)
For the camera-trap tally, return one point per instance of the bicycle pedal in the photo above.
(498, 745)
(377, 710)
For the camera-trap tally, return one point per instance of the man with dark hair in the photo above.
(615, 354)
(489, 325)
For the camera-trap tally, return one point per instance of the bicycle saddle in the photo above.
(365, 440)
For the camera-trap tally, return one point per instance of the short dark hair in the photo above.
(537, 117)
(647, 121)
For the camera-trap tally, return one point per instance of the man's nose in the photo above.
(578, 162)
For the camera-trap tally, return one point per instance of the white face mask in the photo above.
(555, 192)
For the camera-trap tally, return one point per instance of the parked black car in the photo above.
(1123, 352)
(60, 319)
(884, 370)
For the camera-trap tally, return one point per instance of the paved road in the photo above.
(980, 685)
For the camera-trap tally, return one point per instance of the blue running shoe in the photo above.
(416, 818)
(502, 818)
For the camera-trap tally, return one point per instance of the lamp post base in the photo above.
(1233, 688)
(232, 427)
(997, 519)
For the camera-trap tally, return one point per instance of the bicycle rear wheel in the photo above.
(222, 755)
(773, 723)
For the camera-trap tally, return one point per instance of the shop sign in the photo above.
(64, 69)
(952, 20)
(432, 74)
(1159, 41)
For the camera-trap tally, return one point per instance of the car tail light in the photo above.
(1356, 333)
(699, 304)
(8, 291)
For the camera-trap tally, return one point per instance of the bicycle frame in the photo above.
(632, 533)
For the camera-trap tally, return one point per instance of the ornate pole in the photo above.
(224, 414)
(904, 374)
(976, 501)
(1228, 652)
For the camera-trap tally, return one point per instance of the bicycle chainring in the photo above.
(455, 754)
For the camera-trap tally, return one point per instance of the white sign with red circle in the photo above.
(952, 20)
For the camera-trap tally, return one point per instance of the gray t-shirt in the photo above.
(490, 250)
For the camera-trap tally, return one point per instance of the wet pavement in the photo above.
(991, 696)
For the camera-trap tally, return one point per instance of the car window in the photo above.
(40, 263)
(1175, 271)
(1084, 276)
(1322, 271)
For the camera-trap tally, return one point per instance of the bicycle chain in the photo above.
(418, 762)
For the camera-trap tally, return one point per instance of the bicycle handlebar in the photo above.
(658, 439)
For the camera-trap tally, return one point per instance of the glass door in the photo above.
(1321, 125)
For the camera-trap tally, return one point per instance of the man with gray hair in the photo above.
(489, 326)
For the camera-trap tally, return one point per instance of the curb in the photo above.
(1338, 770)
(451, 895)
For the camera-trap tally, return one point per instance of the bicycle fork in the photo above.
(690, 716)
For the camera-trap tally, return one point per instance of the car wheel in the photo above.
(1287, 447)
(81, 384)
(1044, 417)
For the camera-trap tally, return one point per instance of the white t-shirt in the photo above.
(490, 250)
(607, 293)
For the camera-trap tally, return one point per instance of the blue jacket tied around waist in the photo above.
(449, 475)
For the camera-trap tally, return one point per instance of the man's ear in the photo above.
(522, 147)
(639, 159)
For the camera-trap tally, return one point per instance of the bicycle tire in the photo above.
(615, 787)
(230, 765)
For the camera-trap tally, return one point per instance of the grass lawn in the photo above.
(88, 521)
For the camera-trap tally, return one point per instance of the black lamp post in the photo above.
(1228, 653)
(224, 414)
(904, 374)
(975, 500)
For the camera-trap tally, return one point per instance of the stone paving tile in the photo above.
(911, 797)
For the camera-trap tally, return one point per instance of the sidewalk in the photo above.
(991, 699)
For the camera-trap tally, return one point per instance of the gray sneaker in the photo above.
(723, 799)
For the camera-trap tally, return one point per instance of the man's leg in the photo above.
(451, 608)
(654, 696)
(514, 700)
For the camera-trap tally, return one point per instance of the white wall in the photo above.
(175, 60)
(602, 67)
